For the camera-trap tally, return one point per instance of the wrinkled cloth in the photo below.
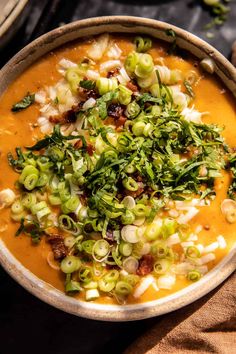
(206, 326)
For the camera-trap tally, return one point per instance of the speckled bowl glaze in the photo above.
(24, 59)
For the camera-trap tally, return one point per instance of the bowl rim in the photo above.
(44, 291)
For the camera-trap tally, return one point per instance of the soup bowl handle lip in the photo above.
(106, 312)
(38, 287)
(123, 24)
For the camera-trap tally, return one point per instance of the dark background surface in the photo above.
(27, 325)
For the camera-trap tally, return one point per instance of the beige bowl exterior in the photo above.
(43, 290)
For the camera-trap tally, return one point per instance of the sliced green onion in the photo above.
(192, 252)
(54, 199)
(194, 275)
(111, 276)
(85, 274)
(124, 95)
(125, 248)
(138, 128)
(127, 218)
(28, 200)
(131, 61)
(141, 210)
(70, 264)
(17, 207)
(145, 65)
(130, 184)
(105, 285)
(87, 246)
(161, 266)
(132, 110)
(105, 85)
(123, 288)
(71, 285)
(130, 264)
(70, 205)
(153, 231)
(74, 78)
(143, 44)
(101, 248)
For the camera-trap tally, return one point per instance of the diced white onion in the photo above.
(114, 52)
(110, 64)
(123, 77)
(200, 247)
(198, 229)
(173, 240)
(143, 286)
(182, 268)
(7, 197)
(221, 241)
(206, 258)
(129, 233)
(123, 272)
(155, 287)
(40, 97)
(173, 213)
(98, 47)
(185, 218)
(92, 75)
(66, 64)
(202, 269)
(91, 102)
(91, 294)
(166, 281)
(191, 115)
(192, 237)
(211, 248)
(187, 244)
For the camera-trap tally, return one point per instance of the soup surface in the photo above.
(126, 191)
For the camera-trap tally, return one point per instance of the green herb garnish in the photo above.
(27, 101)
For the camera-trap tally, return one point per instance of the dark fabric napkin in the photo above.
(206, 326)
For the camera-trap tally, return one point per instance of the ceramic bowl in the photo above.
(43, 45)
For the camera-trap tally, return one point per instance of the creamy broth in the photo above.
(17, 129)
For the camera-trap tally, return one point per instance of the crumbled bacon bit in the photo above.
(112, 73)
(85, 94)
(78, 144)
(145, 265)
(136, 193)
(120, 122)
(132, 86)
(115, 110)
(58, 247)
(90, 149)
(66, 117)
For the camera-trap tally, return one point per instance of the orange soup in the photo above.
(118, 170)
